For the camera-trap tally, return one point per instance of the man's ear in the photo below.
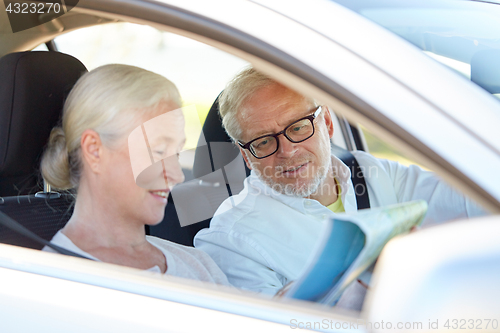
(245, 157)
(92, 149)
(328, 120)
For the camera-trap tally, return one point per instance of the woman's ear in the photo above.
(92, 149)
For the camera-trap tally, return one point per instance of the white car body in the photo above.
(403, 96)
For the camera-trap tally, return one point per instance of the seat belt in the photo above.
(357, 177)
(10, 223)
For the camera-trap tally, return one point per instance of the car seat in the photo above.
(32, 92)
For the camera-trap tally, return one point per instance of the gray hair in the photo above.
(238, 90)
(107, 100)
(236, 94)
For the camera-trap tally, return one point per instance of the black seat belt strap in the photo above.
(357, 176)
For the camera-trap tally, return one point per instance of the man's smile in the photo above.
(293, 171)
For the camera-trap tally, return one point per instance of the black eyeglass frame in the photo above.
(310, 118)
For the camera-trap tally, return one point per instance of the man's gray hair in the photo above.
(237, 92)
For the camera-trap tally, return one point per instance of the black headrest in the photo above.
(219, 150)
(33, 87)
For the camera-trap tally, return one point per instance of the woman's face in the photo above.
(144, 168)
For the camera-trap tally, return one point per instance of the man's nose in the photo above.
(286, 147)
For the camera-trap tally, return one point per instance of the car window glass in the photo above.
(199, 71)
(382, 149)
(463, 36)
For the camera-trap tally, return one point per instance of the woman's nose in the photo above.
(173, 171)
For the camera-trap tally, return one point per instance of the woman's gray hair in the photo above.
(108, 100)
(238, 90)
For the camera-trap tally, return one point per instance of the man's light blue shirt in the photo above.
(262, 239)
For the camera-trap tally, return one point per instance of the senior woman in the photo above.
(90, 153)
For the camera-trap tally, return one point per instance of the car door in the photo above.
(334, 65)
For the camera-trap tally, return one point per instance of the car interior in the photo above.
(33, 91)
(34, 96)
(38, 70)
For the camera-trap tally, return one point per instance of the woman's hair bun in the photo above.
(55, 161)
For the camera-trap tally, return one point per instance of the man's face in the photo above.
(296, 169)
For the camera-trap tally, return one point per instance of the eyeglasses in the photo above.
(266, 145)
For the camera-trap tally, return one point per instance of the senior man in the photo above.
(262, 237)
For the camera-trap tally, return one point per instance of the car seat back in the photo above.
(41, 215)
(33, 88)
(32, 92)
